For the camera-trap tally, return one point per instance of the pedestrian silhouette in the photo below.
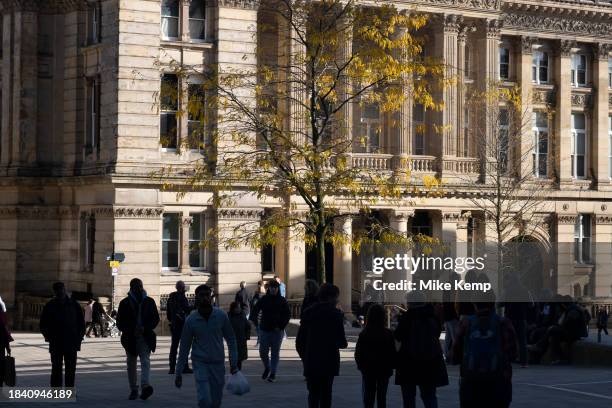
(177, 310)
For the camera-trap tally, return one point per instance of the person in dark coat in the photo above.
(177, 310)
(5, 340)
(602, 322)
(137, 319)
(242, 331)
(375, 356)
(420, 360)
(243, 298)
(275, 316)
(254, 317)
(318, 342)
(311, 288)
(63, 326)
(96, 317)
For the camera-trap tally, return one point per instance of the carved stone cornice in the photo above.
(566, 219)
(240, 213)
(467, 4)
(128, 212)
(527, 44)
(602, 50)
(238, 4)
(561, 25)
(603, 219)
(37, 212)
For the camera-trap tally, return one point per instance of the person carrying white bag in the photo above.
(203, 332)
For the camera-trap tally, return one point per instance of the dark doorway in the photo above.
(311, 262)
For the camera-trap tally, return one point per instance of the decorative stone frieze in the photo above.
(543, 97)
(35, 212)
(451, 216)
(581, 100)
(603, 219)
(602, 51)
(128, 212)
(562, 25)
(240, 213)
(240, 4)
(471, 4)
(566, 219)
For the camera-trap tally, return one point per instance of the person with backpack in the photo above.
(375, 356)
(318, 343)
(420, 360)
(602, 322)
(242, 331)
(485, 347)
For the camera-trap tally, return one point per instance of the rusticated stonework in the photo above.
(561, 25)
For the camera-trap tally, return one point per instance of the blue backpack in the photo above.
(482, 350)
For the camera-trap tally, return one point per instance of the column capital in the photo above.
(493, 27)
(464, 30)
(602, 51)
(451, 216)
(527, 44)
(451, 23)
(402, 215)
(187, 221)
(565, 47)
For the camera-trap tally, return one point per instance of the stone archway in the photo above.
(531, 261)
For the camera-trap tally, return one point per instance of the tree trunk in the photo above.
(320, 259)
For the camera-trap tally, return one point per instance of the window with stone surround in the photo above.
(466, 132)
(582, 239)
(170, 240)
(196, 111)
(579, 146)
(504, 127)
(504, 63)
(93, 22)
(87, 235)
(169, 105)
(369, 128)
(170, 19)
(540, 144)
(418, 120)
(467, 63)
(92, 119)
(539, 67)
(197, 20)
(197, 234)
(579, 70)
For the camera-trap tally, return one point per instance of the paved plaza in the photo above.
(102, 381)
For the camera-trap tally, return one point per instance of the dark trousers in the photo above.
(428, 395)
(599, 330)
(520, 326)
(2, 355)
(374, 389)
(175, 330)
(68, 359)
(92, 326)
(319, 391)
(491, 393)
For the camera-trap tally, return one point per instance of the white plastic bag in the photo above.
(238, 384)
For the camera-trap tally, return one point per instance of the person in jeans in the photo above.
(137, 319)
(203, 334)
(63, 326)
(275, 316)
(318, 343)
(420, 361)
(177, 310)
(375, 356)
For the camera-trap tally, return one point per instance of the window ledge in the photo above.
(170, 272)
(583, 268)
(582, 89)
(199, 272)
(547, 85)
(196, 45)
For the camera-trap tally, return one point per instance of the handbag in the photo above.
(10, 376)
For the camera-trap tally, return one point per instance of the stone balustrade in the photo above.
(462, 165)
(372, 161)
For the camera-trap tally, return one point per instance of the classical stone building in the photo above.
(80, 137)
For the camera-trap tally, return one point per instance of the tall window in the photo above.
(582, 239)
(197, 233)
(578, 145)
(609, 72)
(196, 110)
(504, 63)
(418, 118)
(370, 126)
(503, 140)
(579, 70)
(539, 67)
(88, 240)
(466, 132)
(92, 121)
(170, 240)
(610, 146)
(197, 20)
(540, 141)
(170, 19)
(169, 102)
(93, 23)
(467, 63)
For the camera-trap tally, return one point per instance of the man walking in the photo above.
(205, 329)
(244, 299)
(318, 342)
(177, 311)
(63, 326)
(275, 315)
(281, 285)
(137, 319)
(88, 318)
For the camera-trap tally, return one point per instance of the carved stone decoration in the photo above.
(562, 25)
(239, 4)
(527, 44)
(603, 219)
(35, 212)
(493, 28)
(565, 47)
(187, 220)
(240, 213)
(602, 51)
(581, 100)
(566, 219)
(543, 97)
(470, 4)
(610, 100)
(451, 23)
(453, 216)
(129, 212)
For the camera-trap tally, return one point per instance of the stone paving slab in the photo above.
(102, 381)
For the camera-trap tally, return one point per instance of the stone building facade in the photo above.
(80, 137)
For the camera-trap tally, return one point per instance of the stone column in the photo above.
(398, 221)
(186, 221)
(401, 139)
(563, 116)
(343, 259)
(450, 219)
(446, 46)
(524, 76)
(602, 249)
(462, 235)
(295, 260)
(599, 136)
(299, 98)
(461, 46)
(565, 253)
(347, 113)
